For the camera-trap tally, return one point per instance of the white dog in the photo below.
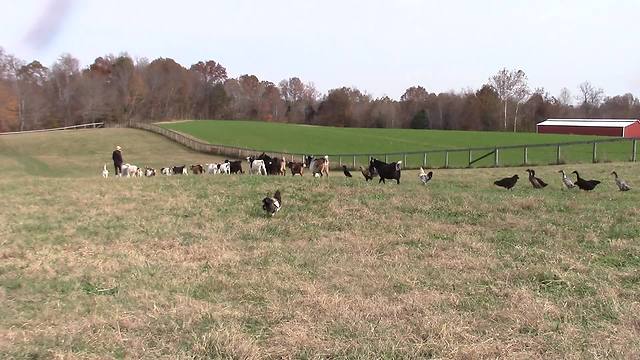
(128, 170)
(212, 169)
(105, 172)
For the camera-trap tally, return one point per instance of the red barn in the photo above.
(629, 128)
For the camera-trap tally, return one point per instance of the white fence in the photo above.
(73, 127)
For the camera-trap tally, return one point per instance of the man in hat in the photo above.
(117, 160)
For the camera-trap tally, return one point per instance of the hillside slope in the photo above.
(83, 152)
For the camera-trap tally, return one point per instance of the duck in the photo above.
(535, 181)
(271, 205)
(508, 182)
(346, 172)
(566, 181)
(586, 185)
(622, 185)
(425, 177)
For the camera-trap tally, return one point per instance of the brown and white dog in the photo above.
(318, 166)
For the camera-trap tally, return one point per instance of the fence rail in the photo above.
(72, 127)
(601, 150)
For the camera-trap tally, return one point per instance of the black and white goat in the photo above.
(180, 170)
(386, 171)
(167, 171)
(256, 166)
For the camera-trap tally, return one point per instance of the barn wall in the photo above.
(632, 131)
(580, 130)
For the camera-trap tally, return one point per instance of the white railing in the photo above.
(82, 126)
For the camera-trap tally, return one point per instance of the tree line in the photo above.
(119, 89)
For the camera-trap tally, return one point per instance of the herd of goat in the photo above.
(267, 165)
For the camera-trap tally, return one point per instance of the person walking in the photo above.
(117, 160)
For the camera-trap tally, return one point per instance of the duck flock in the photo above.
(568, 183)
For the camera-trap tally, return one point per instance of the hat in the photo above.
(118, 147)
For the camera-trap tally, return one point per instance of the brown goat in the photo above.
(296, 168)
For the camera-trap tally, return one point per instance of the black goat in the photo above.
(235, 166)
(386, 171)
(274, 165)
(179, 170)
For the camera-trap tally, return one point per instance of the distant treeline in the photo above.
(117, 89)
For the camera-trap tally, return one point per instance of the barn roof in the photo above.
(617, 123)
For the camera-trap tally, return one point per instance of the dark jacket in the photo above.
(117, 157)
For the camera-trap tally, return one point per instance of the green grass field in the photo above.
(305, 139)
(188, 267)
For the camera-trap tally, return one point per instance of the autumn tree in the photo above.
(210, 97)
(9, 109)
(336, 109)
(65, 77)
(489, 108)
(33, 104)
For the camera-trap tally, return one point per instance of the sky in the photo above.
(381, 47)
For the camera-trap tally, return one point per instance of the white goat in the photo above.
(256, 166)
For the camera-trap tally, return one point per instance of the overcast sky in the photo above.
(381, 46)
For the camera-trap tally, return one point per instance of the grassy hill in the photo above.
(305, 139)
(189, 267)
(83, 152)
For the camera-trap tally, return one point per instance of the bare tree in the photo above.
(565, 97)
(590, 97)
(501, 82)
(520, 94)
(590, 94)
(509, 85)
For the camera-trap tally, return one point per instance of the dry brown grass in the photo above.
(458, 269)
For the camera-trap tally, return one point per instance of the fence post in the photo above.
(526, 155)
(386, 158)
(558, 155)
(496, 157)
(446, 159)
(340, 160)
(633, 149)
(354, 161)
(404, 161)
(424, 160)
(470, 158)
(595, 152)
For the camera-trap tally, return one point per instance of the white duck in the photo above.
(622, 185)
(566, 181)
